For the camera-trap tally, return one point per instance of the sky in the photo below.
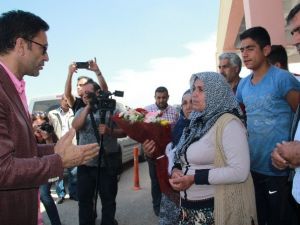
(139, 44)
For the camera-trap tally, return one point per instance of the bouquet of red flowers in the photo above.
(141, 125)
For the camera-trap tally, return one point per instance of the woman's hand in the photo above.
(149, 148)
(182, 183)
(176, 173)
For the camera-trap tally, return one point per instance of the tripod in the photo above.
(100, 156)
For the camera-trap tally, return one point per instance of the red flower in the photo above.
(141, 110)
(141, 131)
(161, 135)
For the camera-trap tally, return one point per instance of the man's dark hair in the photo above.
(259, 34)
(161, 89)
(95, 85)
(84, 77)
(18, 24)
(278, 54)
(292, 13)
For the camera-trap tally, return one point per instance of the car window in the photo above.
(45, 105)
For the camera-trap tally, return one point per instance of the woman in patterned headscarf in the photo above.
(200, 171)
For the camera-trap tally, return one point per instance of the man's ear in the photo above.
(267, 50)
(20, 46)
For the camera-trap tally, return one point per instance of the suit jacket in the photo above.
(24, 165)
(56, 121)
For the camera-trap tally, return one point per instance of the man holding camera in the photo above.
(87, 123)
(76, 102)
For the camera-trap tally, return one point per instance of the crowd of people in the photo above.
(234, 157)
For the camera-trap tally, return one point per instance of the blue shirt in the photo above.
(269, 116)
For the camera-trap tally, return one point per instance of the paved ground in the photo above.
(133, 207)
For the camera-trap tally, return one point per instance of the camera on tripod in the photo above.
(104, 101)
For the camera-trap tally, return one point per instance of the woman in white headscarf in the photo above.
(212, 165)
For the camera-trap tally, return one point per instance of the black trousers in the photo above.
(108, 188)
(273, 199)
(155, 189)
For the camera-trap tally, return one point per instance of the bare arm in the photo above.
(292, 98)
(102, 81)
(80, 119)
(68, 86)
(93, 66)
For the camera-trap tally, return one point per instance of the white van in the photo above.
(48, 103)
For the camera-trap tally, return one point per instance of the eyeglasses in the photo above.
(297, 29)
(45, 47)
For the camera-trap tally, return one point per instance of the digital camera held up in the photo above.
(104, 101)
(47, 127)
(82, 65)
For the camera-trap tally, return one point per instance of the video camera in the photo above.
(104, 101)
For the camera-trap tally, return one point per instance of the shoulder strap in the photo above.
(220, 159)
(234, 203)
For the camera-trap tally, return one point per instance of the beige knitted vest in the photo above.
(234, 204)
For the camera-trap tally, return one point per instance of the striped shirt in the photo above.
(170, 113)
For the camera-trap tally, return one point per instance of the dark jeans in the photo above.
(72, 184)
(155, 189)
(108, 188)
(272, 204)
(48, 202)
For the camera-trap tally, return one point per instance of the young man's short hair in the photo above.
(259, 34)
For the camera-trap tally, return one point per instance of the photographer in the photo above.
(44, 134)
(76, 102)
(87, 174)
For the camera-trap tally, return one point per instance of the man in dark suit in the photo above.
(24, 165)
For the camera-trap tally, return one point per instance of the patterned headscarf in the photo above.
(219, 99)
